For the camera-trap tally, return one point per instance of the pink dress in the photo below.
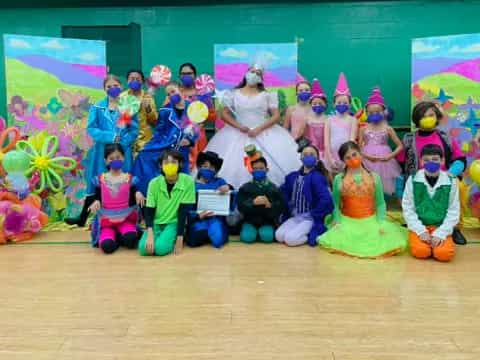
(315, 132)
(340, 130)
(298, 120)
(376, 145)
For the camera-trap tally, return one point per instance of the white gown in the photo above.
(275, 143)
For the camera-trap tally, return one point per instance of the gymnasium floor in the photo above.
(61, 299)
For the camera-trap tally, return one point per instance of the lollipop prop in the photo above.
(129, 105)
(160, 75)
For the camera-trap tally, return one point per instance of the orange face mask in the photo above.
(354, 163)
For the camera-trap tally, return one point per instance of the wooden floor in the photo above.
(69, 301)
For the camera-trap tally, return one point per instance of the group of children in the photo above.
(345, 215)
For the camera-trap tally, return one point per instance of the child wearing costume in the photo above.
(261, 204)
(206, 227)
(341, 126)
(296, 115)
(317, 120)
(173, 130)
(359, 227)
(170, 198)
(309, 201)
(426, 116)
(431, 207)
(104, 128)
(373, 139)
(115, 200)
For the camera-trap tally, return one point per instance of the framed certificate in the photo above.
(211, 200)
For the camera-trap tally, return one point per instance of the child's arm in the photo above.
(381, 206)
(328, 149)
(245, 202)
(361, 143)
(337, 189)
(396, 140)
(98, 135)
(354, 129)
(287, 119)
(152, 115)
(409, 212)
(323, 202)
(453, 214)
(278, 204)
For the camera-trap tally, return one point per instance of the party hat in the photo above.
(342, 86)
(376, 98)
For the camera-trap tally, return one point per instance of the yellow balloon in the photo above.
(475, 171)
(197, 112)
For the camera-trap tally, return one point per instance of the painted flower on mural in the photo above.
(54, 106)
(17, 106)
(74, 105)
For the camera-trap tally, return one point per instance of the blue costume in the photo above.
(312, 198)
(102, 128)
(212, 229)
(168, 133)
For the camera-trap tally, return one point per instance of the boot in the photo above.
(458, 237)
(82, 219)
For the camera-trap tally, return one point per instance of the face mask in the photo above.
(116, 164)
(304, 96)
(114, 92)
(259, 175)
(187, 80)
(343, 108)
(428, 123)
(175, 99)
(354, 163)
(135, 85)
(432, 167)
(252, 79)
(170, 170)
(375, 118)
(318, 109)
(309, 161)
(207, 174)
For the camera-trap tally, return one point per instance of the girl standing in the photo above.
(296, 115)
(373, 139)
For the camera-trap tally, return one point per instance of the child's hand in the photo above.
(436, 241)
(254, 132)
(224, 189)
(150, 245)
(140, 199)
(425, 237)
(178, 245)
(259, 200)
(95, 207)
(244, 129)
(184, 142)
(206, 214)
(268, 204)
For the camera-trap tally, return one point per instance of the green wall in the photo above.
(369, 41)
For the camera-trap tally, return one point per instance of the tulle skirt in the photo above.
(388, 170)
(275, 143)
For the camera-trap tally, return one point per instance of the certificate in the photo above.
(211, 200)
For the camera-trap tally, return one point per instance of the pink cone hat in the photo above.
(342, 86)
(376, 98)
(317, 90)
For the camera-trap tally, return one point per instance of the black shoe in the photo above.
(458, 237)
(75, 221)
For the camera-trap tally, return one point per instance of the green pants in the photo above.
(250, 233)
(164, 240)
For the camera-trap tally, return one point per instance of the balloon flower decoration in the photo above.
(160, 75)
(16, 163)
(42, 160)
(8, 140)
(128, 105)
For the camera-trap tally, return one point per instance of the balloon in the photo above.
(16, 161)
(204, 84)
(160, 75)
(475, 171)
(18, 183)
(356, 104)
(197, 112)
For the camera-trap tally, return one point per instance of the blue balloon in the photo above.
(18, 183)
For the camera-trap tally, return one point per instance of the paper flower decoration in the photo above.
(45, 162)
(128, 105)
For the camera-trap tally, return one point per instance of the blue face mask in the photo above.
(114, 92)
(135, 85)
(187, 80)
(309, 161)
(259, 175)
(304, 96)
(432, 167)
(175, 99)
(207, 174)
(318, 109)
(342, 108)
(375, 118)
(116, 164)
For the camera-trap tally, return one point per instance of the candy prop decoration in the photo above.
(44, 162)
(475, 171)
(160, 75)
(128, 105)
(204, 84)
(197, 112)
